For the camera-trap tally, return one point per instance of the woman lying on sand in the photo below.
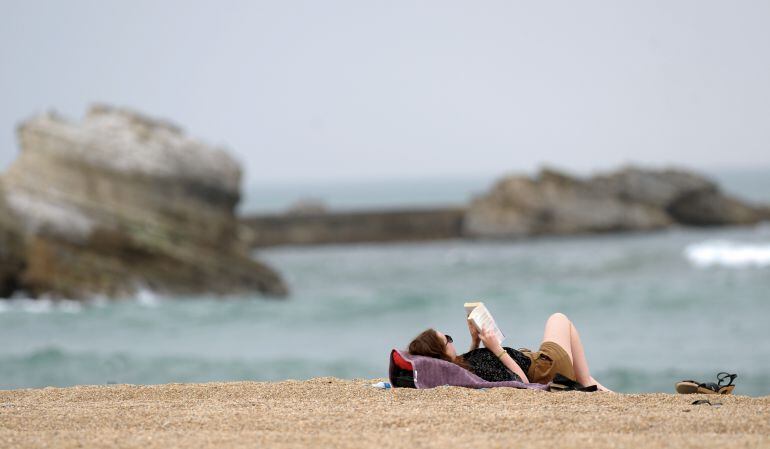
(560, 352)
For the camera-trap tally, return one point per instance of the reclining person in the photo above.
(561, 352)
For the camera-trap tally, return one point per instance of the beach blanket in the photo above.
(430, 372)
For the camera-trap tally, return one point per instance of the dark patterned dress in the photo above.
(487, 366)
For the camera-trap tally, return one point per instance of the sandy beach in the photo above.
(329, 412)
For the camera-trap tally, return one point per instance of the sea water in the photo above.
(651, 309)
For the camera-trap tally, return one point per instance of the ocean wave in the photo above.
(54, 365)
(40, 305)
(57, 366)
(147, 298)
(144, 297)
(728, 254)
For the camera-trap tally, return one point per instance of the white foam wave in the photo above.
(728, 254)
(69, 306)
(43, 305)
(147, 298)
(144, 297)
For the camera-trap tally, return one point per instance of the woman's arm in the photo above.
(475, 340)
(490, 342)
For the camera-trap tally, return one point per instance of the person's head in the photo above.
(432, 343)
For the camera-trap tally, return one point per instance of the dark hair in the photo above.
(429, 344)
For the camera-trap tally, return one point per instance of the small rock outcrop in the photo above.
(630, 199)
(307, 206)
(122, 202)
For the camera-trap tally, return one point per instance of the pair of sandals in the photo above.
(692, 387)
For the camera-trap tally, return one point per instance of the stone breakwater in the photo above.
(550, 203)
(354, 227)
(121, 202)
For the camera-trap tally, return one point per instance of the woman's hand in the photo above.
(474, 332)
(490, 340)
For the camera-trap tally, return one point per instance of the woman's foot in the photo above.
(600, 386)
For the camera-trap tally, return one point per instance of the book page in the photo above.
(469, 306)
(482, 319)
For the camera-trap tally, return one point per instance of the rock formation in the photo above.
(630, 199)
(11, 250)
(688, 198)
(122, 202)
(764, 213)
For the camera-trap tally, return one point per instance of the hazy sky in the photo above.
(354, 90)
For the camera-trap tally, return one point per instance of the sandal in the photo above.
(564, 383)
(691, 386)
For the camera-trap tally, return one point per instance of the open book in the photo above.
(479, 315)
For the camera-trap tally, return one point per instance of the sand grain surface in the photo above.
(329, 412)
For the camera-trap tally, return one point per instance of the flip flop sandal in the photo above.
(692, 387)
(728, 387)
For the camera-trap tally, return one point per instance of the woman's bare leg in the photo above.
(579, 360)
(560, 330)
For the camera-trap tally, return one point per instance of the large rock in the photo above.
(764, 213)
(630, 199)
(12, 257)
(658, 188)
(554, 203)
(712, 208)
(122, 202)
